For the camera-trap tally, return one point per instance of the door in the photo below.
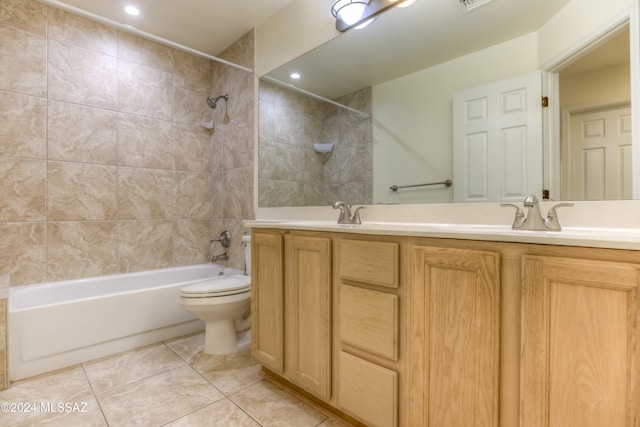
(308, 313)
(497, 141)
(455, 346)
(600, 155)
(580, 343)
(267, 300)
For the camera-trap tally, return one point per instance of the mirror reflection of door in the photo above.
(595, 92)
(600, 154)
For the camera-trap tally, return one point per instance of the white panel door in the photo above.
(497, 141)
(600, 155)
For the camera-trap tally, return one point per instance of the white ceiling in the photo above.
(208, 26)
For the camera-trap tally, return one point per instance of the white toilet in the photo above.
(223, 303)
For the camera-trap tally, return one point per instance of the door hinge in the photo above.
(545, 101)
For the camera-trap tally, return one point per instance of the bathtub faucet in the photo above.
(225, 241)
(220, 257)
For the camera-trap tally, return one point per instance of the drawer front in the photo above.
(376, 263)
(368, 391)
(369, 320)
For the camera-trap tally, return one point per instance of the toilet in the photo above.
(223, 303)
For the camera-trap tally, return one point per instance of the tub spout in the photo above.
(220, 257)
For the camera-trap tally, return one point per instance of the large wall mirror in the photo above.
(373, 108)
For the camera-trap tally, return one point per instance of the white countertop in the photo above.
(610, 224)
(614, 238)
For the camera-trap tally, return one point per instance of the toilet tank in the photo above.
(246, 243)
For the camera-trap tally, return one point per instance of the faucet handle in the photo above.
(355, 218)
(519, 219)
(551, 221)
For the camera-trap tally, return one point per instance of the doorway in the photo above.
(592, 89)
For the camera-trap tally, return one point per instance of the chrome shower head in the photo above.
(212, 102)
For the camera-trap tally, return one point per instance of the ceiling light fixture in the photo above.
(349, 11)
(132, 10)
(359, 13)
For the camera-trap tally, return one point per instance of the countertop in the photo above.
(614, 238)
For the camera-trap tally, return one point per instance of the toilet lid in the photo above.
(222, 285)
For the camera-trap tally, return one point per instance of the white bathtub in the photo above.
(59, 324)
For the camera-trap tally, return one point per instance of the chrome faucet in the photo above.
(533, 219)
(225, 241)
(346, 217)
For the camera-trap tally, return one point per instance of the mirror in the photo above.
(401, 72)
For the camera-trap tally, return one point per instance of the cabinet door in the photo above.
(267, 300)
(308, 296)
(580, 343)
(454, 327)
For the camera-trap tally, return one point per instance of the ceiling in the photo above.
(405, 40)
(208, 26)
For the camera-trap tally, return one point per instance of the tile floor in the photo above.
(166, 384)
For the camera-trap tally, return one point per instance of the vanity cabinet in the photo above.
(455, 333)
(369, 293)
(581, 343)
(401, 331)
(291, 308)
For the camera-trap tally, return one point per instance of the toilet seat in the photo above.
(217, 287)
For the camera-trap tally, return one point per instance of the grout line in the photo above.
(95, 396)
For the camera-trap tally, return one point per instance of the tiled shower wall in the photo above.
(290, 172)
(103, 165)
(233, 144)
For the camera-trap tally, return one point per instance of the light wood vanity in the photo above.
(398, 330)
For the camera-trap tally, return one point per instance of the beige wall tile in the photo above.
(26, 72)
(192, 195)
(82, 76)
(81, 134)
(25, 15)
(145, 245)
(4, 374)
(81, 249)
(22, 189)
(144, 90)
(81, 191)
(191, 241)
(22, 252)
(238, 195)
(23, 125)
(89, 127)
(81, 32)
(191, 87)
(144, 193)
(144, 142)
(191, 148)
(145, 52)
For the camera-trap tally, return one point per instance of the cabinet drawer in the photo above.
(370, 262)
(367, 391)
(369, 320)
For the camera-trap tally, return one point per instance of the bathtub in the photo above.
(59, 324)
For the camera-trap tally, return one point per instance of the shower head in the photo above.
(212, 102)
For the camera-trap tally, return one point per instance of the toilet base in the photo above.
(220, 337)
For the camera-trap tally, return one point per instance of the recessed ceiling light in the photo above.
(132, 10)
(295, 76)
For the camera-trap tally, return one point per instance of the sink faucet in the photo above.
(346, 217)
(533, 219)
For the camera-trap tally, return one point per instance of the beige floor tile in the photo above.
(85, 412)
(220, 414)
(229, 373)
(67, 385)
(131, 366)
(187, 347)
(272, 406)
(158, 399)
